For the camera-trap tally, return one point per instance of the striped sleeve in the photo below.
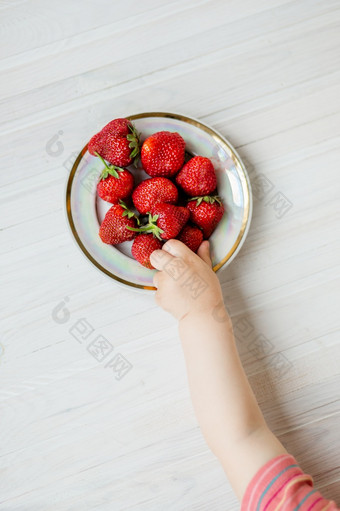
(281, 485)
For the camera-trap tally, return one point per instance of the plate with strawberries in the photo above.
(151, 177)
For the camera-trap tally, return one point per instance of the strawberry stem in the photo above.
(111, 170)
(134, 145)
(102, 160)
(150, 227)
(127, 212)
(210, 199)
(138, 229)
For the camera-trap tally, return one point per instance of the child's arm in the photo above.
(225, 405)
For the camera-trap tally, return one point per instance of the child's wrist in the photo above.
(214, 316)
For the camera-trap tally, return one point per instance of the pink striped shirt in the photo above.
(281, 485)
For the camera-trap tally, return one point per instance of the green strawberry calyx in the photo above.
(111, 170)
(130, 214)
(151, 227)
(210, 199)
(134, 139)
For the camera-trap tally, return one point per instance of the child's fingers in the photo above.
(177, 249)
(159, 258)
(157, 278)
(204, 252)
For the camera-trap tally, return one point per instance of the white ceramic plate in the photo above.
(85, 210)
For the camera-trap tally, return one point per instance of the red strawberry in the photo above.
(143, 246)
(206, 212)
(170, 219)
(115, 184)
(114, 228)
(151, 191)
(165, 221)
(197, 177)
(191, 236)
(117, 142)
(162, 153)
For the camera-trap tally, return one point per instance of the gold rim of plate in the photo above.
(238, 164)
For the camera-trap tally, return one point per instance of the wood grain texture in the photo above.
(266, 75)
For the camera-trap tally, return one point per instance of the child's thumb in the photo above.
(204, 252)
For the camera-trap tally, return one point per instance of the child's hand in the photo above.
(186, 283)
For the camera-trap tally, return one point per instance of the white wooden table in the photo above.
(266, 74)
